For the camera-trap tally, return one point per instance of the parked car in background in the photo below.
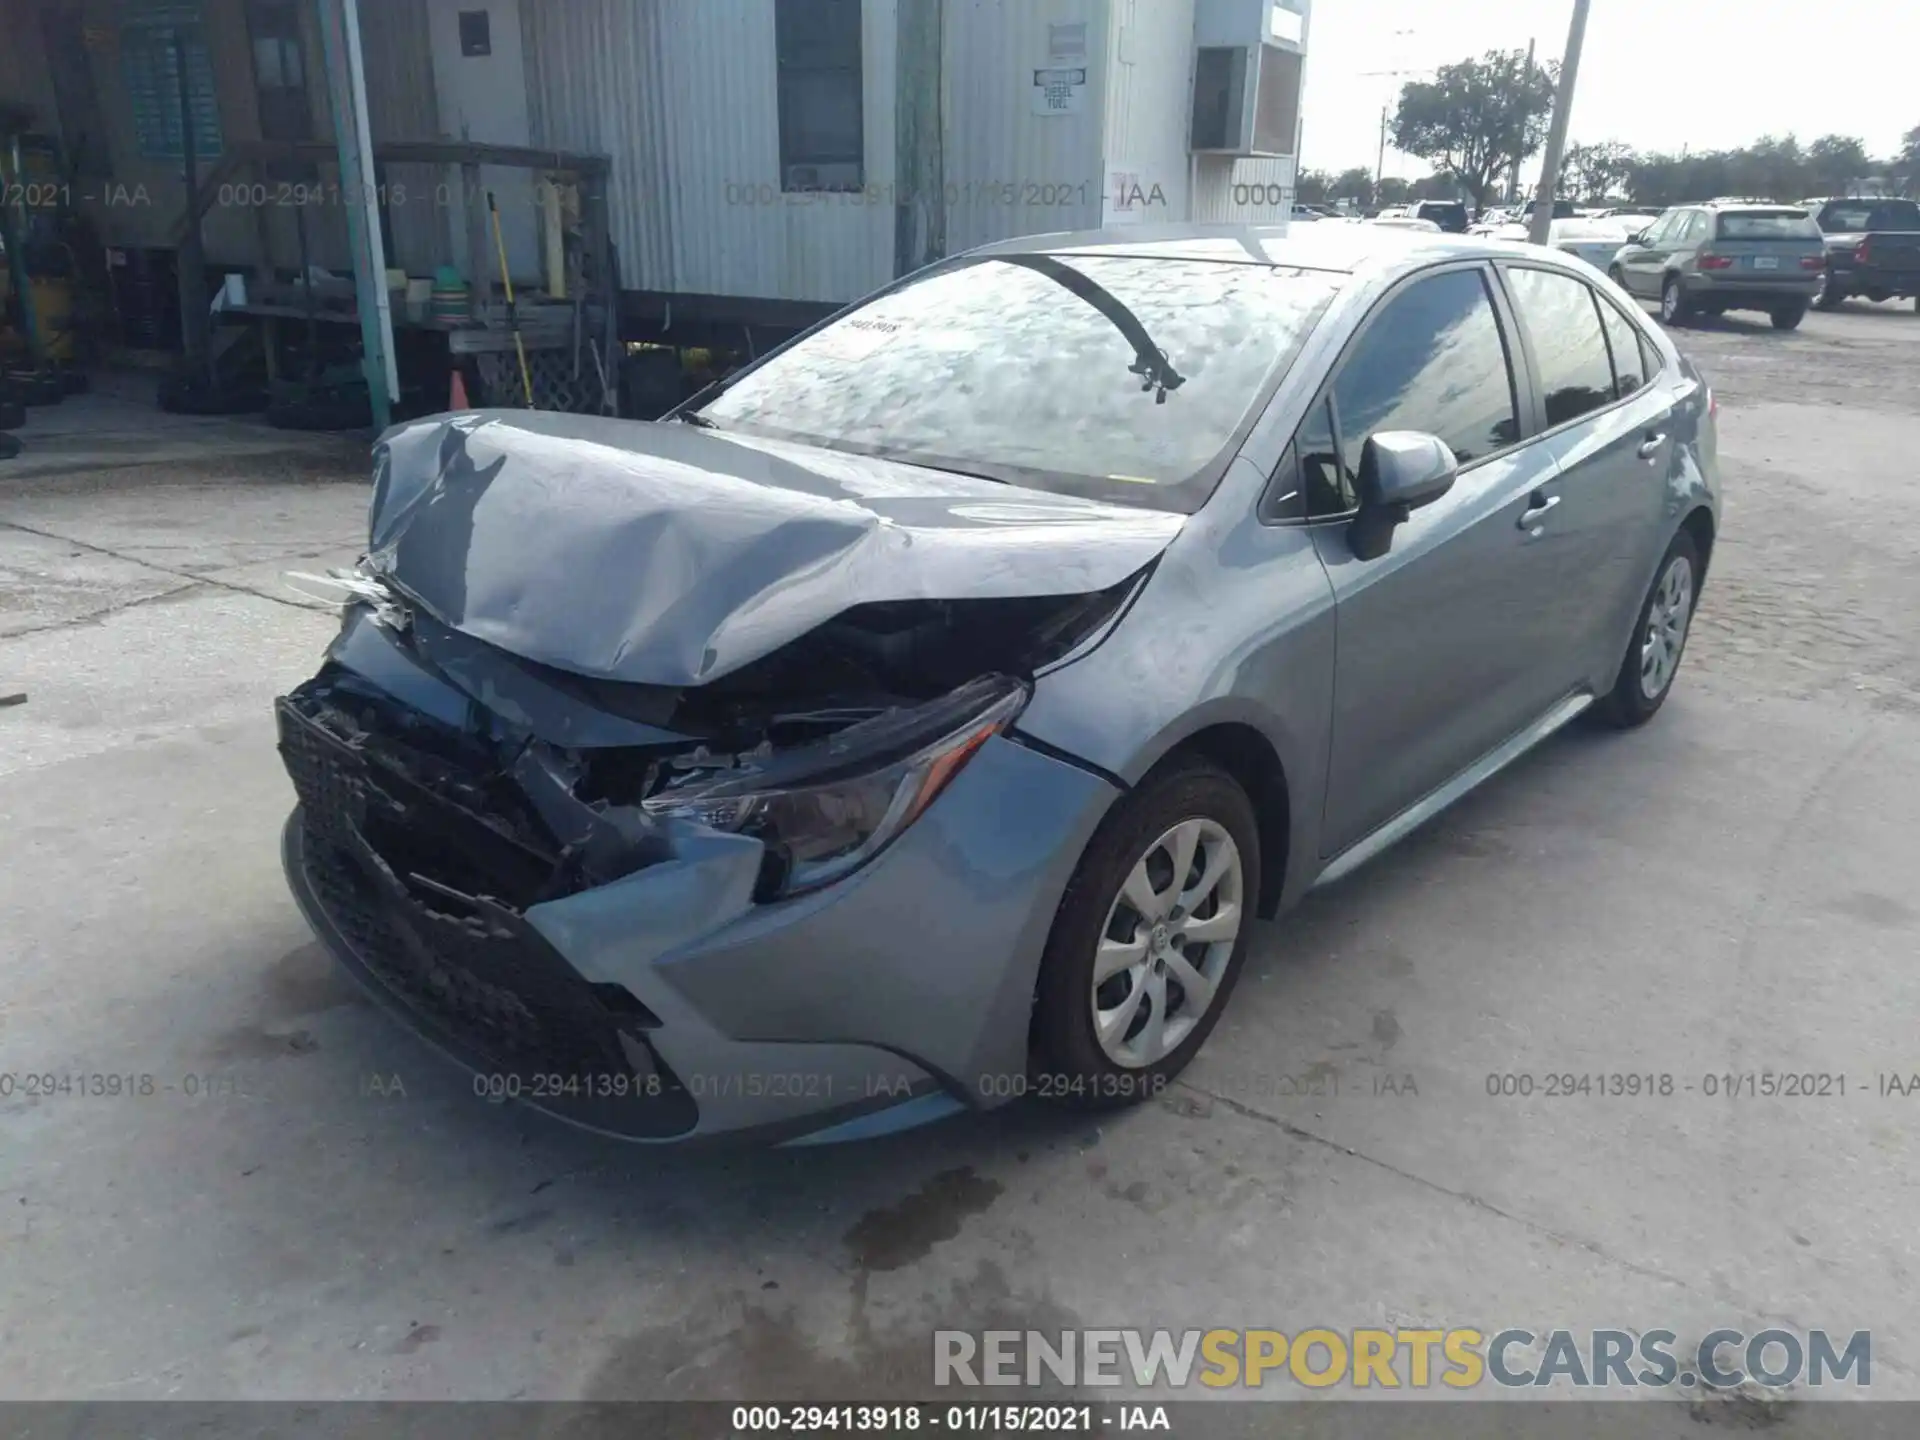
(920, 710)
(1711, 258)
(1596, 241)
(1402, 221)
(1450, 215)
(1872, 250)
(1631, 212)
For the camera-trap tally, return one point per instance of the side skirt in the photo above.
(1430, 805)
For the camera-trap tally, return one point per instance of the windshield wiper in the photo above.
(1150, 362)
(691, 417)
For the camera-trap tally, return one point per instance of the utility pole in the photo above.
(1380, 161)
(1513, 176)
(1557, 132)
(919, 155)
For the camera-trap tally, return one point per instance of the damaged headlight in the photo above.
(827, 810)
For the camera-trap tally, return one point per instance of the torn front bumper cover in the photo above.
(668, 1002)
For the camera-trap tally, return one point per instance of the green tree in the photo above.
(1907, 163)
(1393, 191)
(1311, 187)
(1833, 163)
(1355, 184)
(1593, 172)
(1476, 118)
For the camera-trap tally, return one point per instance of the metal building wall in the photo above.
(1244, 192)
(683, 98)
(1150, 97)
(401, 106)
(1008, 171)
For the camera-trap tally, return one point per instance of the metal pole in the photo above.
(346, 87)
(1557, 132)
(919, 162)
(1380, 160)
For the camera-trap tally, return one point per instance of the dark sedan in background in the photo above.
(1873, 250)
(924, 718)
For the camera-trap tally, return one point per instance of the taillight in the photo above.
(1860, 252)
(1716, 262)
(1812, 262)
(1713, 405)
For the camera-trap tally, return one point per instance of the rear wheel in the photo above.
(1149, 940)
(1675, 307)
(1829, 295)
(1788, 317)
(1659, 638)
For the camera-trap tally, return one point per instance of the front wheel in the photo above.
(1148, 941)
(1659, 637)
(1675, 307)
(1618, 277)
(1788, 317)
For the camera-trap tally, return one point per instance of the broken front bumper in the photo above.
(669, 1005)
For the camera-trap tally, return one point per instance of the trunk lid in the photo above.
(661, 554)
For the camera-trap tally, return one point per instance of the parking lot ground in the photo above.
(310, 1204)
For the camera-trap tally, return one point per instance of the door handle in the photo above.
(1652, 446)
(1536, 510)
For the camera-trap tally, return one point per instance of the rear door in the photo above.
(1436, 657)
(1609, 428)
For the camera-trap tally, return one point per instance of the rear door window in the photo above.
(1432, 359)
(1562, 319)
(1768, 225)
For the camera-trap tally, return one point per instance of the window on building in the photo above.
(1562, 320)
(153, 38)
(1432, 359)
(280, 70)
(817, 45)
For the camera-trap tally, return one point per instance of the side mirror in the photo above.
(1400, 470)
(1639, 237)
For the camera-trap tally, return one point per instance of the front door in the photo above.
(1644, 265)
(1437, 644)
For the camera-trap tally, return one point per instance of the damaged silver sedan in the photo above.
(922, 717)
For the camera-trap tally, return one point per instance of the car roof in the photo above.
(1350, 249)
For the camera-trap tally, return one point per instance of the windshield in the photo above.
(1118, 377)
(1768, 225)
(1874, 215)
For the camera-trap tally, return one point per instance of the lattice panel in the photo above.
(555, 387)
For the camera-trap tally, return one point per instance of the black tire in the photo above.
(181, 397)
(1788, 317)
(1069, 1065)
(9, 447)
(1618, 277)
(1675, 306)
(12, 415)
(1829, 295)
(1627, 704)
(38, 388)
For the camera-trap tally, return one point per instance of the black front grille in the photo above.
(472, 971)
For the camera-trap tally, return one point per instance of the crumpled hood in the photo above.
(662, 554)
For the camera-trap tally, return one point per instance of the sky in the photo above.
(1656, 74)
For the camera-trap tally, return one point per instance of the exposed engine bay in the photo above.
(488, 777)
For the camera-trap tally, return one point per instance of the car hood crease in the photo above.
(662, 554)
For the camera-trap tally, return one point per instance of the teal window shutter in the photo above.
(150, 65)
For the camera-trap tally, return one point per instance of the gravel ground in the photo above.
(1730, 890)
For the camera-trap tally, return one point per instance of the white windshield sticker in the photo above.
(855, 338)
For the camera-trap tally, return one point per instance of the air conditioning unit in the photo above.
(1249, 59)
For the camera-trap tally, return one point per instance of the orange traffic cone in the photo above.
(457, 399)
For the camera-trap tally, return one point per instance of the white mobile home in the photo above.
(776, 153)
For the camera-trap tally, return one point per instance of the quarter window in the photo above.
(1631, 370)
(1569, 347)
(1432, 359)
